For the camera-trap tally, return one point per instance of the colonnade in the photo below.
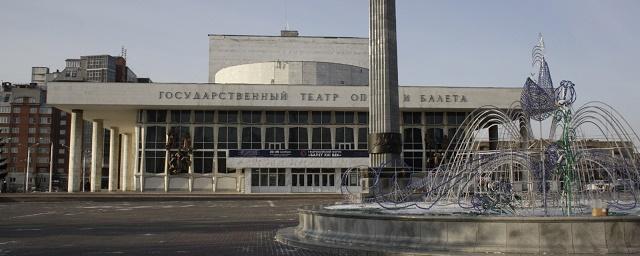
(120, 171)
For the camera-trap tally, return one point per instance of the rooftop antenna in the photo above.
(286, 19)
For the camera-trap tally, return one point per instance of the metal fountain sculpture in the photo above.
(562, 174)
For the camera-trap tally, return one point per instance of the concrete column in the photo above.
(75, 151)
(385, 143)
(493, 137)
(136, 163)
(114, 156)
(125, 171)
(97, 146)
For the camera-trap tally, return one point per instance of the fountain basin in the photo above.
(386, 233)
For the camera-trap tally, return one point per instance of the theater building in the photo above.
(280, 114)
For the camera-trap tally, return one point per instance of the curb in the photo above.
(110, 197)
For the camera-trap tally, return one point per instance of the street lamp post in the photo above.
(51, 168)
(26, 175)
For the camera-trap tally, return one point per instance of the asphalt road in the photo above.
(217, 227)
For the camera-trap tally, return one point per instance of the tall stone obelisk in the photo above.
(385, 143)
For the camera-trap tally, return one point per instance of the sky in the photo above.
(440, 42)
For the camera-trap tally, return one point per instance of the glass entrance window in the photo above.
(312, 177)
(268, 177)
(344, 138)
(274, 138)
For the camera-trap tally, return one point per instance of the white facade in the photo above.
(285, 115)
(119, 105)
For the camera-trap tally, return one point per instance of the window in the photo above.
(298, 117)
(16, 110)
(413, 159)
(321, 117)
(15, 130)
(434, 118)
(411, 118)
(42, 160)
(228, 117)
(179, 136)
(63, 132)
(44, 140)
(363, 117)
(32, 120)
(251, 138)
(351, 179)
(154, 161)
(275, 117)
(227, 138)
(274, 138)
(312, 177)
(14, 150)
(251, 117)
(363, 138)
(4, 119)
(203, 138)
(222, 163)
(45, 110)
(16, 120)
(435, 138)
(156, 116)
(268, 177)
(5, 109)
(455, 118)
(203, 117)
(155, 137)
(344, 117)
(31, 140)
(451, 135)
(33, 110)
(155, 140)
(63, 122)
(5, 130)
(321, 138)
(203, 162)
(298, 138)
(412, 138)
(45, 130)
(180, 116)
(32, 130)
(344, 138)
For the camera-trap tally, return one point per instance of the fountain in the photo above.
(571, 190)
